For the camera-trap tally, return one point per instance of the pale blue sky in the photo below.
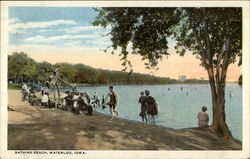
(55, 26)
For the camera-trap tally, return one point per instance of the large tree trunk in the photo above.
(219, 125)
(217, 83)
(213, 90)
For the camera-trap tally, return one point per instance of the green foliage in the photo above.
(14, 86)
(78, 73)
(21, 66)
(67, 71)
(148, 29)
(44, 69)
(102, 78)
(212, 26)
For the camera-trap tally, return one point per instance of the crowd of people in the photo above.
(82, 102)
(76, 101)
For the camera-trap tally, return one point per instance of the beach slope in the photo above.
(36, 128)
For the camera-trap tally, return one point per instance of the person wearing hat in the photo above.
(113, 101)
(203, 118)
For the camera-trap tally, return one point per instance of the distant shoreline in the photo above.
(77, 85)
(18, 86)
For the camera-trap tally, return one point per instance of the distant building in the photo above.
(182, 78)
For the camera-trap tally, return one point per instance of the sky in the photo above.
(65, 34)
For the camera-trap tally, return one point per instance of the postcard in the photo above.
(127, 79)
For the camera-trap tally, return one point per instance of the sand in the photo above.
(36, 128)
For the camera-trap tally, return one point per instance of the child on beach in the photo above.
(142, 101)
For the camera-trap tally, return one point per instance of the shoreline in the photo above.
(33, 127)
(18, 86)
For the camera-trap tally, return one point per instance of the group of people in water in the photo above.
(149, 106)
(82, 101)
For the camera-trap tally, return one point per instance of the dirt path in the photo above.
(35, 128)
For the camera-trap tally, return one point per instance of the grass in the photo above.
(14, 86)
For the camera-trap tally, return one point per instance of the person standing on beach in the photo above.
(25, 91)
(113, 101)
(142, 100)
(203, 118)
(45, 99)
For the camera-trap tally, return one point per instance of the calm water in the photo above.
(178, 108)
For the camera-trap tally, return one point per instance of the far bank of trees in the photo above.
(22, 68)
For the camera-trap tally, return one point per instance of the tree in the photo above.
(214, 35)
(101, 77)
(21, 66)
(44, 70)
(67, 71)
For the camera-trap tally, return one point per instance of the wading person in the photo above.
(151, 106)
(142, 101)
(96, 101)
(231, 94)
(103, 102)
(203, 118)
(113, 101)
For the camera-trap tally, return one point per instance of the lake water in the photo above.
(178, 108)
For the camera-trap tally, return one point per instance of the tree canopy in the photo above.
(149, 30)
(22, 68)
(20, 65)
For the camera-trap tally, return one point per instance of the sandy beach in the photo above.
(36, 128)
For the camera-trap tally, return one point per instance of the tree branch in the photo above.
(208, 44)
(225, 60)
(203, 53)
